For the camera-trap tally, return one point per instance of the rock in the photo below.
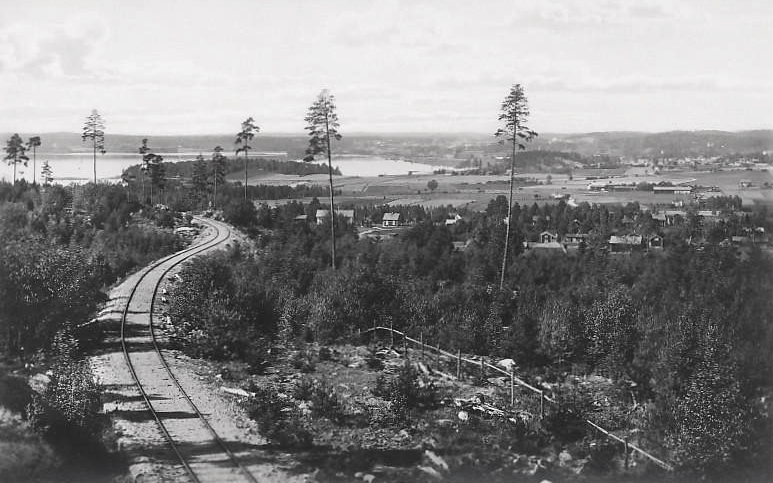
(359, 475)
(39, 382)
(368, 478)
(436, 460)
(463, 415)
(506, 364)
(564, 458)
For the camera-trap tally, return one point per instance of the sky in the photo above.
(160, 67)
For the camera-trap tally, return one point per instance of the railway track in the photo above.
(204, 456)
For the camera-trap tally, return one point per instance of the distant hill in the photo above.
(667, 144)
(624, 143)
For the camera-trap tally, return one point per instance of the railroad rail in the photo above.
(199, 449)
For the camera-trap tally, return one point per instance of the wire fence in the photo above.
(480, 366)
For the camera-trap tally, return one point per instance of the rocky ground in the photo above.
(471, 434)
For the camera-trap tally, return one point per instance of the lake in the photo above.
(78, 167)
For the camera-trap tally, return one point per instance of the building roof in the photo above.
(625, 240)
(391, 217)
(322, 213)
(345, 213)
(546, 246)
(575, 236)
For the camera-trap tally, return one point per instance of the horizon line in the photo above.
(419, 133)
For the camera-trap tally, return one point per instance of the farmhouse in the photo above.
(322, 215)
(390, 219)
(655, 242)
(625, 243)
(573, 241)
(547, 237)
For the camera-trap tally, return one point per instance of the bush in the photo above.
(374, 360)
(405, 390)
(164, 219)
(303, 389)
(567, 420)
(326, 403)
(325, 354)
(67, 413)
(304, 361)
(278, 419)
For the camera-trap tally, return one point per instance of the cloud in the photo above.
(53, 50)
(559, 15)
(626, 84)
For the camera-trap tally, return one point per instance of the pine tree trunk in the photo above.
(509, 217)
(332, 208)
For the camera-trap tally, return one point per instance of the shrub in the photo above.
(405, 390)
(303, 389)
(325, 354)
(164, 219)
(326, 403)
(567, 420)
(67, 413)
(374, 360)
(304, 361)
(278, 419)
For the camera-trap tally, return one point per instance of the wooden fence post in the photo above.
(421, 343)
(482, 369)
(541, 404)
(625, 448)
(459, 364)
(437, 358)
(391, 335)
(512, 388)
(405, 345)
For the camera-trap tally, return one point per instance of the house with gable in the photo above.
(390, 219)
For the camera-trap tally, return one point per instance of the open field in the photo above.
(476, 191)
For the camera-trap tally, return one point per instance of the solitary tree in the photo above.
(218, 170)
(94, 130)
(33, 143)
(46, 173)
(322, 123)
(152, 166)
(432, 185)
(514, 115)
(249, 129)
(200, 178)
(14, 153)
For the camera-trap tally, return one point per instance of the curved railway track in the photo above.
(201, 452)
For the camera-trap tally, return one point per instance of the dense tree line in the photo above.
(57, 255)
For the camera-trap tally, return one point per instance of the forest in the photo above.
(686, 333)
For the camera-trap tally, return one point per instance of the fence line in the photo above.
(513, 380)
